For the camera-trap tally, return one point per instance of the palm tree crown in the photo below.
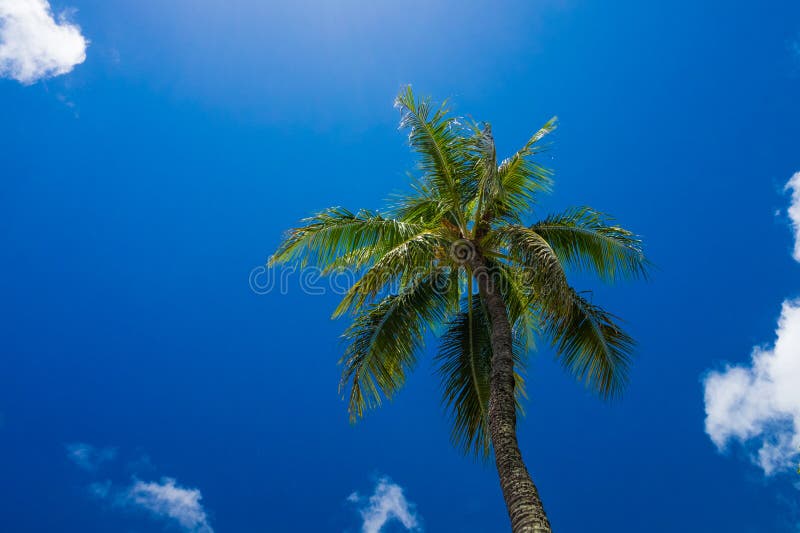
(417, 262)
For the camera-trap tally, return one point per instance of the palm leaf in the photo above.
(585, 239)
(592, 346)
(384, 339)
(537, 265)
(484, 164)
(421, 206)
(519, 180)
(337, 234)
(404, 262)
(436, 138)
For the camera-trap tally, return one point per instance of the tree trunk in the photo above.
(525, 509)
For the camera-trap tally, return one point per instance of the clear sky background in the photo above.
(144, 386)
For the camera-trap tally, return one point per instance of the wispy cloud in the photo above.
(100, 489)
(167, 500)
(387, 503)
(89, 457)
(164, 500)
(794, 211)
(758, 405)
(34, 44)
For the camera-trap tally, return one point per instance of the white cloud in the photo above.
(387, 503)
(759, 405)
(794, 211)
(88, 457)
(166, 499)
(34, 45)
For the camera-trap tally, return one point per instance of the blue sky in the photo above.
(145, 387)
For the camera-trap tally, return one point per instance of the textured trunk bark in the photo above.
(525, 509)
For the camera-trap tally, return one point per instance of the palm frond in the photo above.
(384, 339)
(464, 367)
(591, 346)
(585, 239)
(484, 163)
(341, 236)
(438, 141)
(406, 261)
(537, 265)
(421, 206)
(520, 180)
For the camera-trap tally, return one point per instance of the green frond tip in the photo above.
(588, 240)
(438, 141)
(384, 339)
(339, 235)
(518, 180)
(592, 346)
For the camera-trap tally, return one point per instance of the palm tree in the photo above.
(420, 262)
